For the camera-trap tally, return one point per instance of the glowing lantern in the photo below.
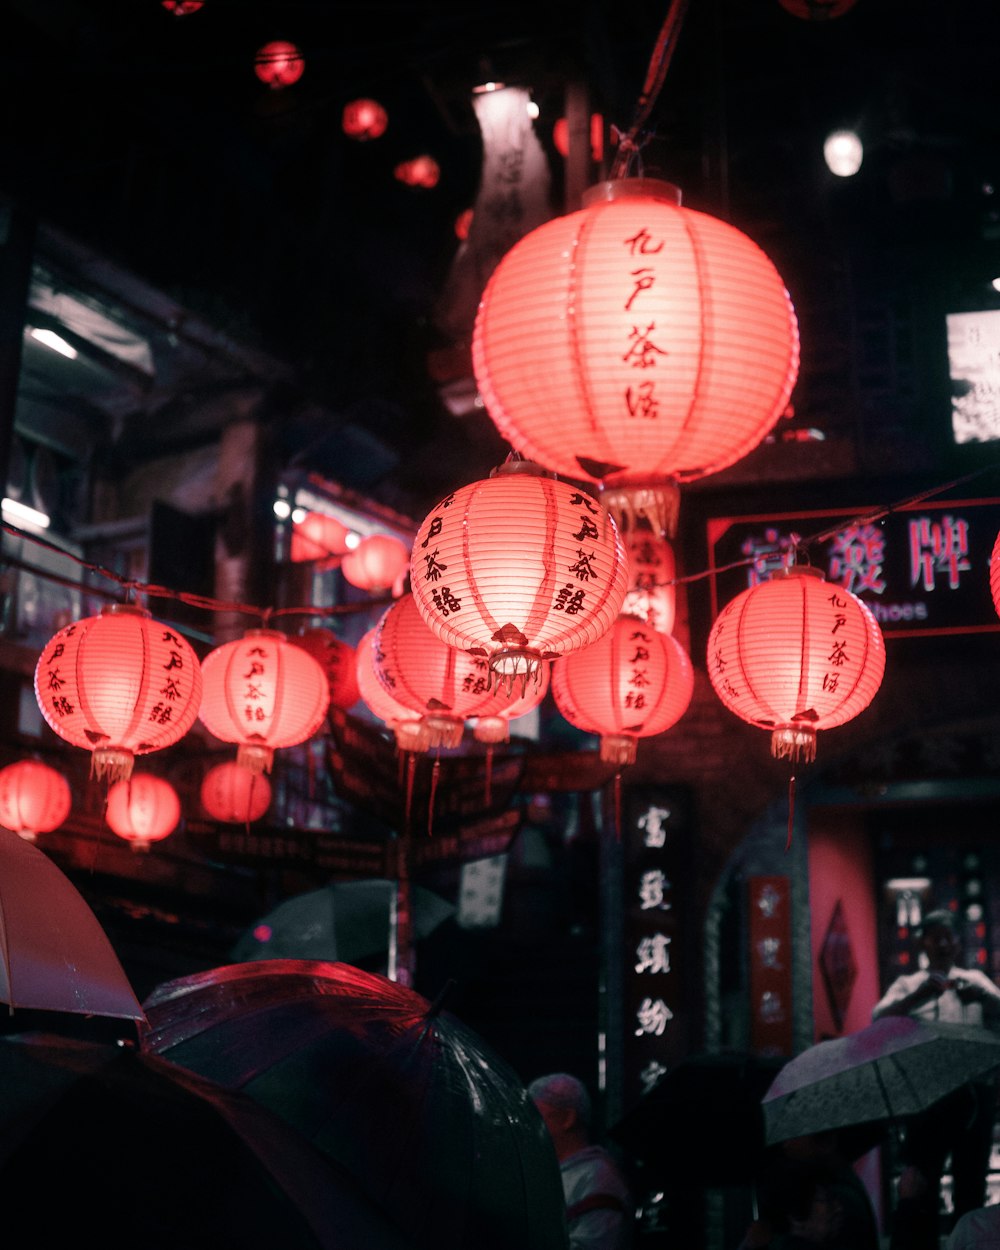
(235, 795)
(318, 537)
(633, 683)
(493, 723)
(995, 574)
(444, 685)
(817, 10)
(422, 171)
(142, 810)
(560, 136)
(262, 692)
(378, 563)
(181, 8)
(796, 654)
(651, 593)
(635, 343)
(364, 119)
(403, 721)
(336, 658)
(118, 685)
(519, 568)
(34, 798)
(279, 64)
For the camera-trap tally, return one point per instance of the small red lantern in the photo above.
(403, 721)
(34, 798)
(422, 171)
(235, 795)
(817, 10)
(118, 685)
(336, 658)
(632, 683)
(635, 343)
(518, 569)
(652, 594)
(279, 64)
(262, 692)
(364, 119)
(377, 564)
(318, 537)
(796, 654)
(560, 137)
(142, 810)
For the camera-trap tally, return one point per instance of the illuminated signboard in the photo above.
(974, 369)
(923, 570)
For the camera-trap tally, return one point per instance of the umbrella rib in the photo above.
(901, 1071)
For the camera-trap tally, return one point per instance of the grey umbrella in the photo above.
(894, 1068)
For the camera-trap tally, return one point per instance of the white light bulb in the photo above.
(843, 153)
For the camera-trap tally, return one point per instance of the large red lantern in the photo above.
(235, 795)
(279, 64)
(377, 564)
(519, 568)
(262, 692)
(406, 724)
(142, 810)
(652, 594)
(364, 119)
(444, 685)
(34, 798)
(635, 343)
(796, 654)
(118, 685)
(318, 537)
(633, 683)
(336, 658)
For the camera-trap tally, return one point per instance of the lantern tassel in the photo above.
(435, 774)
(489, 775)
(113, 763)
(618, 806)
(791, 811)
(411, 768)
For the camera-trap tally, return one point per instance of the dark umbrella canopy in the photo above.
(433, 1125)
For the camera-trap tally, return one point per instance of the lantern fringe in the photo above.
(511, 664)
(442, 731)
(796, 743)
(112, 763)
(657, 503)
(254, 757)
(618, 749)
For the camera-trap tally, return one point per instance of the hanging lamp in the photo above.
(336, 658)
(34, 798)
(652, 591)
(142, 810)
(405, 723)
(234, 795)
(377, 564)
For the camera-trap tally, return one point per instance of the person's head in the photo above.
(564, 1105)
(939, 940)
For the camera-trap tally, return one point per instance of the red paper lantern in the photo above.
(336, 658)
(279, 64)
(34, 798)
(633, 683)
(406, 724)
(817, 10)
(377, 564)
(796, 654)
(422, 171)
(635, 343)
(560, 136)
(444, 685)
(235, 795)
(519, 568)
(652, 595)
(318, 537)
(118, 685)
(493, 723)
(142, 810)
(364, 119)
(262, 692)
(995, 574)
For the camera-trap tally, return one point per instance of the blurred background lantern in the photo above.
(364, 119)
(403, 721)
(796, 654)
(235, 795)
(560, 137)
(262, 692)
(817, 10)
(422, 171)
(635, 343)
(279, 64)
(319, 537)
(142, 810)
(651, 595)
(995, 574)
(378, 564)
(118, 685)
(181, 8)
(336, 658)
(34, 798)
(519, 568)
(463, 224)
(632, 683)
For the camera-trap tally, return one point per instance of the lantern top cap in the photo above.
(512, 465)
(632, 188)
(798, 570)
(124, 609)
(264, 633)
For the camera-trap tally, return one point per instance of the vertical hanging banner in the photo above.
(770, 934)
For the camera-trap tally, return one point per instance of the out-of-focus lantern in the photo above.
(377, 564)
(635, 343)
(519, 568)
(364, 119)
(336, 658)
(142, 810)
(560, 137)
(652, 595)
(422, 171)
(444, 685)
(262, 692)
(463, 224)
(279, 64)
(118, 685)
(318, 537)
(234, 795)
(34, 798)
(633, 683)
(796, 654)
(817, 10)
(405, 723)
(995, 574)
(181, 8)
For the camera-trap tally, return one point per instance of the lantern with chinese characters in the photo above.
(143, 810)
(34, 798)
(262, 692)
(652, 595)
(635, 343)
(519, 568)
(118, 685)
(377, 564)
(796, 654)
(336, 658)
(235, 795)
(319, 537)
(633, 683)
(364, 119)
(279, 64)
(443, 684)
(406, 724)
(493, 723)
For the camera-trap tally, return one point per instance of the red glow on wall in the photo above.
(279, 64)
